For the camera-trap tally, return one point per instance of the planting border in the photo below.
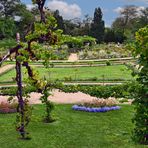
(95, 109)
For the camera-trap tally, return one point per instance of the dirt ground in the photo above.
(73, 57)
(57, 97)
(6, 67)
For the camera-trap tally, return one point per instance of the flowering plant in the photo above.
(8, 107)
(95, 109)
(97, 105)
(100, 102)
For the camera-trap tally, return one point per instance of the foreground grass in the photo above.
(73, 129)
(79, 73)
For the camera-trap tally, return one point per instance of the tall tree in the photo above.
(118, 24)
(129, 13)
(109, 35)
(113, 36)
(14, 17)
(126, 20)
(69, 27)
(7, 28)
(7, 7)
(97, 26)
(142, 20)
(59, 19)
(85, 25)
(26, 18)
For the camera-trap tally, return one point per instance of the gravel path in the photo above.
(61, 98)
(57, 97)
(73, 57)
(6, 67)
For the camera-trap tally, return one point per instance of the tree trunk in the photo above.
(21, 129)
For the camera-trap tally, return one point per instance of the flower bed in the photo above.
(98, 105)
(95, 109)
(6, 108)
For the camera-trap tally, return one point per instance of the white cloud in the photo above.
(68, 11)
(17, 18)
(107, 25)
(118, 10)
(30, 6)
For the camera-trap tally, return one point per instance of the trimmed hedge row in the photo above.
(126, 90)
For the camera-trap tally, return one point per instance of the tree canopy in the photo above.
(97, 26)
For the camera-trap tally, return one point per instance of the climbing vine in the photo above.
(40, 35)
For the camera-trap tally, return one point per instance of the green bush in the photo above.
(118, 91)
(108, 63)
(140, 133)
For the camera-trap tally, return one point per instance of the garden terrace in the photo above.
(124, 90)
(113, 73)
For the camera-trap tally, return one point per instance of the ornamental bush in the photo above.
(118, 91)
(97, 105)
(100, 103)
(140, 47)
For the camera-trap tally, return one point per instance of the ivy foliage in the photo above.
(78, 41)
(141, 102)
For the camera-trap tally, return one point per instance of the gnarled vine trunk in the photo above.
(20, 110)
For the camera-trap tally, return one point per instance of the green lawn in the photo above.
(82, 73)
(72, 129)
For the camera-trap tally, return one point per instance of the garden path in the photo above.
(73, 57)
(60, 98)
(57, 97)
(6, 67)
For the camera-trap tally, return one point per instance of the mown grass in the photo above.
(78, 73)
(72, 129)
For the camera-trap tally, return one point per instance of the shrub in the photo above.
(123, 100)
(68, 78)
(140, 133)
(100, 103)
(118, 91)
(108, 63)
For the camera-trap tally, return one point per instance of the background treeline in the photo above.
(15, 17)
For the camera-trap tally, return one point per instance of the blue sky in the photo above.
(78, 8)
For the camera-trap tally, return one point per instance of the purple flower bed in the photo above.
(7, 110)
(6, 107)
(94, 109)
